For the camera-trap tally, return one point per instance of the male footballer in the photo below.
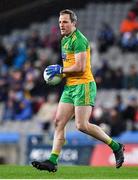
(79, 93)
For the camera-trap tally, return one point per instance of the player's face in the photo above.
(65, 24)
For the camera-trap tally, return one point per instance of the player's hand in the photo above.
(54, 70)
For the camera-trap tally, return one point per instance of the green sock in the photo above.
(54, 158)
(114, 145)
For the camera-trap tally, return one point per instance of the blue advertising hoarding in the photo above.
(74, 155)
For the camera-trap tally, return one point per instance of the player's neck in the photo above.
(72, 31)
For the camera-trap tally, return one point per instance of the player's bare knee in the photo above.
(57, 122)
(80, 126)
(59, 125)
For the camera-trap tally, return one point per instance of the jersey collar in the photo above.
(70, 34)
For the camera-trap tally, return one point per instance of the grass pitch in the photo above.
(68, 172)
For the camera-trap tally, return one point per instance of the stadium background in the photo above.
(29, 41)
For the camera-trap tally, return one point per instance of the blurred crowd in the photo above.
(22, 61)
(126, 39)
(119, 117)
(24, 94)
(108, 77)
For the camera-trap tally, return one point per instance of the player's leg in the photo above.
(82, 115)
(64, 113)
(84, 100)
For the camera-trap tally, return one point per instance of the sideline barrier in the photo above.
(103, 156)
(70, 154)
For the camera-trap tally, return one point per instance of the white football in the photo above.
(52, 81)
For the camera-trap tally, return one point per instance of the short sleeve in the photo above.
(80, 45)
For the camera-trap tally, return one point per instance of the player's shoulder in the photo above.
(78, 35)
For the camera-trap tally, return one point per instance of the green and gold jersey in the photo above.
(76, 43)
